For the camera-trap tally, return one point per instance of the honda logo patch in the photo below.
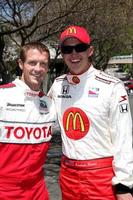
(123, 108)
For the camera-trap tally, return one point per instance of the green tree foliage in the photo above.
(108, 21)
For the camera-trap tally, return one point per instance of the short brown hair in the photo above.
(33, 45)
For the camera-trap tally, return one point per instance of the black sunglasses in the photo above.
(78, 48)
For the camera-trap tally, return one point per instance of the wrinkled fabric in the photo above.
(26, 121)
(87, 183)
(23, 191)
(95, 119)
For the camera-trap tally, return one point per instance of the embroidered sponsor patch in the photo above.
(65, 92)
(75, 79)
(123, 98)
(43, 107)
(93, 92)
(65, 89)
(32, 133)
(72, 79)
(76, 123)
(64, 96)
(32, 94)
(15, 107)
(123, 108)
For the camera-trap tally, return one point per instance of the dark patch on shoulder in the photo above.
(105, 78)
(102, 80)
(61, 79)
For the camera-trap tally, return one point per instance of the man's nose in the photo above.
(74, 51)
(38, 66)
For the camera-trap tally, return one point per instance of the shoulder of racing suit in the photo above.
(106, 78)
(8, 85)
(61, 78)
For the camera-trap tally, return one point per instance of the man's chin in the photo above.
(36, 85)
(76, 72)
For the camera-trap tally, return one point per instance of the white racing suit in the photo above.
(26, 119)
(96, 126)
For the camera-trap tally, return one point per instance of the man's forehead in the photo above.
(36, 52)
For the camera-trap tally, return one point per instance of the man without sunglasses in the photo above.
(96, 126)
(27, 117)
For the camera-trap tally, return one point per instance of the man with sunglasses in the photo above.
(96, 126)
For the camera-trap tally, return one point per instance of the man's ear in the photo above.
(90, 51)
(20, 63)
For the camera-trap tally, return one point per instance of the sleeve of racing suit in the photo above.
(56, 126)
(121, 135)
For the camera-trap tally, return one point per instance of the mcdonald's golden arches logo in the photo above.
(76, 123)
(71, 30)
